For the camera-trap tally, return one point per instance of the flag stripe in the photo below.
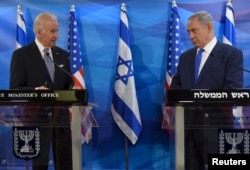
(128, 115)
(124, 126)
(124, 34)
(229, 32)
(230, 13)
(21, 40)
(78, 78)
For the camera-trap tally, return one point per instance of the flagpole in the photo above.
(126, 152)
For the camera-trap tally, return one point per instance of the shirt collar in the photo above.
(209, 47)
(41, 47)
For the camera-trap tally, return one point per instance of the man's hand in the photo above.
(41, 88)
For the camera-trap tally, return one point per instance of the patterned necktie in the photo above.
(197, 64)
(49, 63)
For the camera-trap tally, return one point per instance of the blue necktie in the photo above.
(197, 64)
(49, 63)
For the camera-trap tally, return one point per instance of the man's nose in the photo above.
(191, 36)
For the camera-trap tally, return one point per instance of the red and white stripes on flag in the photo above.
(174, 52)
(78, 72)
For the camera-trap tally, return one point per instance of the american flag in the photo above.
(74, 49)
(174, 52)
(21, 34)
(229, 37)
(124, 106)
(77, 70)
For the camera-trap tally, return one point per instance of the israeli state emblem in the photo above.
(234, 141)
(26, 142)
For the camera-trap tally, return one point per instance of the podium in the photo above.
(19, 109)
(224, 113)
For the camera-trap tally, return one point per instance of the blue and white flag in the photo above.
(21, 34)
(229, 37)
(124, 107)
(229, 29)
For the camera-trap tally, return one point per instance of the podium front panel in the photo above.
(30, 118)
(208, 131)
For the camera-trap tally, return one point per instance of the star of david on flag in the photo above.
(127, 68)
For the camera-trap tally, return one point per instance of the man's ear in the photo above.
(210, 27)
(39, 32)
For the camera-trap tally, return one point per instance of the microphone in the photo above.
(60, 66)
(229, 63)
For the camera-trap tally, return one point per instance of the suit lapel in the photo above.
(38, 59)
(57, 63)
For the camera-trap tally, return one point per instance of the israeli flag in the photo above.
(21, 34)
(229, 29)
(124, 107)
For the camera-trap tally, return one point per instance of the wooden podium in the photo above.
(18, 107)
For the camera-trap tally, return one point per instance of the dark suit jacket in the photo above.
(28, 70)
(222, 70)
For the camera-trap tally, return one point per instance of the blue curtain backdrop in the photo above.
(98, 22)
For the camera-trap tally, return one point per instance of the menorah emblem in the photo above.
(26, 142)
(26, 136)
(234, 139)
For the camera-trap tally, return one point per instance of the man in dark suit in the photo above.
(28, 71)
(220, 68)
